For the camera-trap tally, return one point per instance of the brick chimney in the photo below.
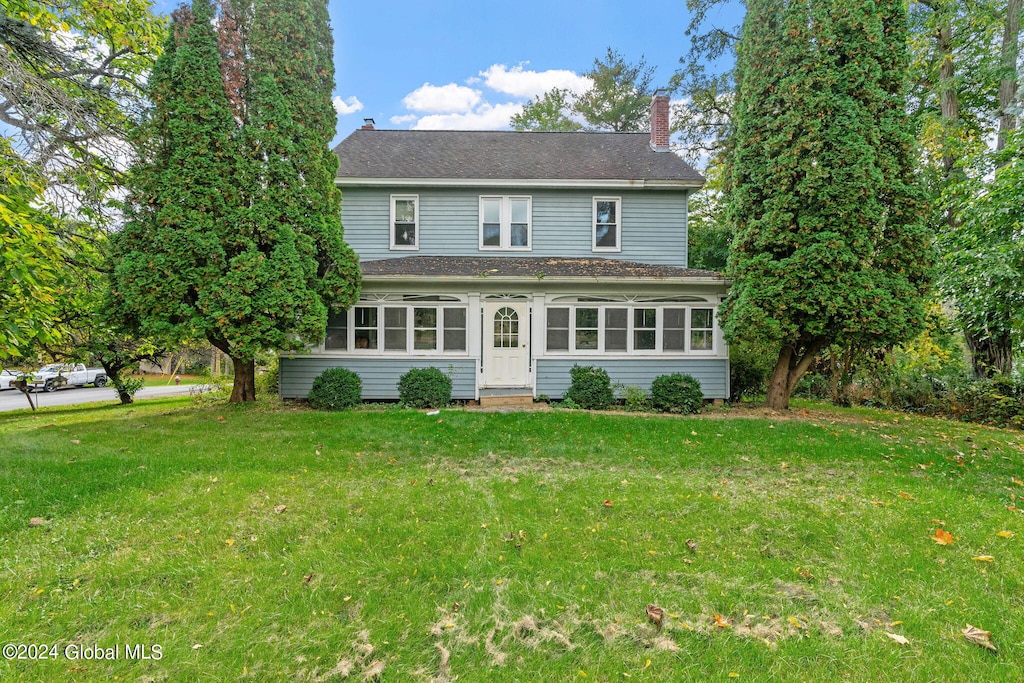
(659, 121)
(367, 124)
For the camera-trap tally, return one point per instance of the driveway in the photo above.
(15, 400)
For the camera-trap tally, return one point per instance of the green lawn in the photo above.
(277, 544)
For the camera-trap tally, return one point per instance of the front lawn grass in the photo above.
(280, 544)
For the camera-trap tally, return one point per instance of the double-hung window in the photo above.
(607, 224)
(405, 222)
(505, 223)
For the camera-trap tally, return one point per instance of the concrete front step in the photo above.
(506, 400)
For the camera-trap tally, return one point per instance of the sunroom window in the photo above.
(399, 329)
(589, 329)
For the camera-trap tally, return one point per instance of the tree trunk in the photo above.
(22, 386)
(991, 355)
(789, 368)
(778, 385)
(244, 388)
(1008, 85)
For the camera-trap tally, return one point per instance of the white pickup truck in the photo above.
(57, 375)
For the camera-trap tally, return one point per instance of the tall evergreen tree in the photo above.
(234, 227)
(831, 240)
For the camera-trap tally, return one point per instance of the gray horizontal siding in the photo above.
(379, 375)
(712, 373)
(653, 223)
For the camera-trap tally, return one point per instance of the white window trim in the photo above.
(506, 222)
(618, 225)
(410, 331)
(416, 223)
(631, 350)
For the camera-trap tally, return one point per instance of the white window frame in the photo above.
(416, 223)
(618, 225)
(631, 350)
(506, 223)
(410, 330)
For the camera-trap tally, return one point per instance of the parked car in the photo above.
(57, 375)
(7, 378)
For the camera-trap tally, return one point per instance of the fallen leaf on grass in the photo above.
(655, 614)
(984, 558)
(795, 622)
(898, 638)
(230, 542)
(722, 622)
(75, 441)
(979, 637)
(38, 521)
(278, 509)
(1005, 534)
(607, 503)
(906, 496)
(691, 544)
(1017, 481)
(943, 537)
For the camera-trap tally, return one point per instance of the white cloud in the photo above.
(485, 117)
(524, 83)
(400, 120)
(347, 106)
(442, 99)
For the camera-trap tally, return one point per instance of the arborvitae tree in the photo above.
(234, 227)
(831, 240)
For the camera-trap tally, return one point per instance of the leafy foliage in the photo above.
(676, 393)
(425, 388)
(233, 229)
(831, 243)
(30, 259)
(590, 388)
(983, 257)
(618, 100)
(336, 389)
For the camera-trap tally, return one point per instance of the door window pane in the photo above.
(454, 329)
(506, 328)
(558, 329)
(586, 329)
(395, 329)
(365, 327)
(645, 329)
(616, 329)
(674, 335)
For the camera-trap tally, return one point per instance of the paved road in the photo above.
(14, 400)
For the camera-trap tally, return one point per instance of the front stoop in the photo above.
(506, 401)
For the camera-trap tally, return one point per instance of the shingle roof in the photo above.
(525, 267)
(508, 155)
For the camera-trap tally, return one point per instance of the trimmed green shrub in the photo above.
(336, 389)
(425, 388)
(676, 393)
(590, 388)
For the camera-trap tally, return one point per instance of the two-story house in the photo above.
(504, 258)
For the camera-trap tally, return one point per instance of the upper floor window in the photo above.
(405, 225)
(505, 223)
(607, 226)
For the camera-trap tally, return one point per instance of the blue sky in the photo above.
(459, 64)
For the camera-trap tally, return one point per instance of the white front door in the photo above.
(506, 344)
